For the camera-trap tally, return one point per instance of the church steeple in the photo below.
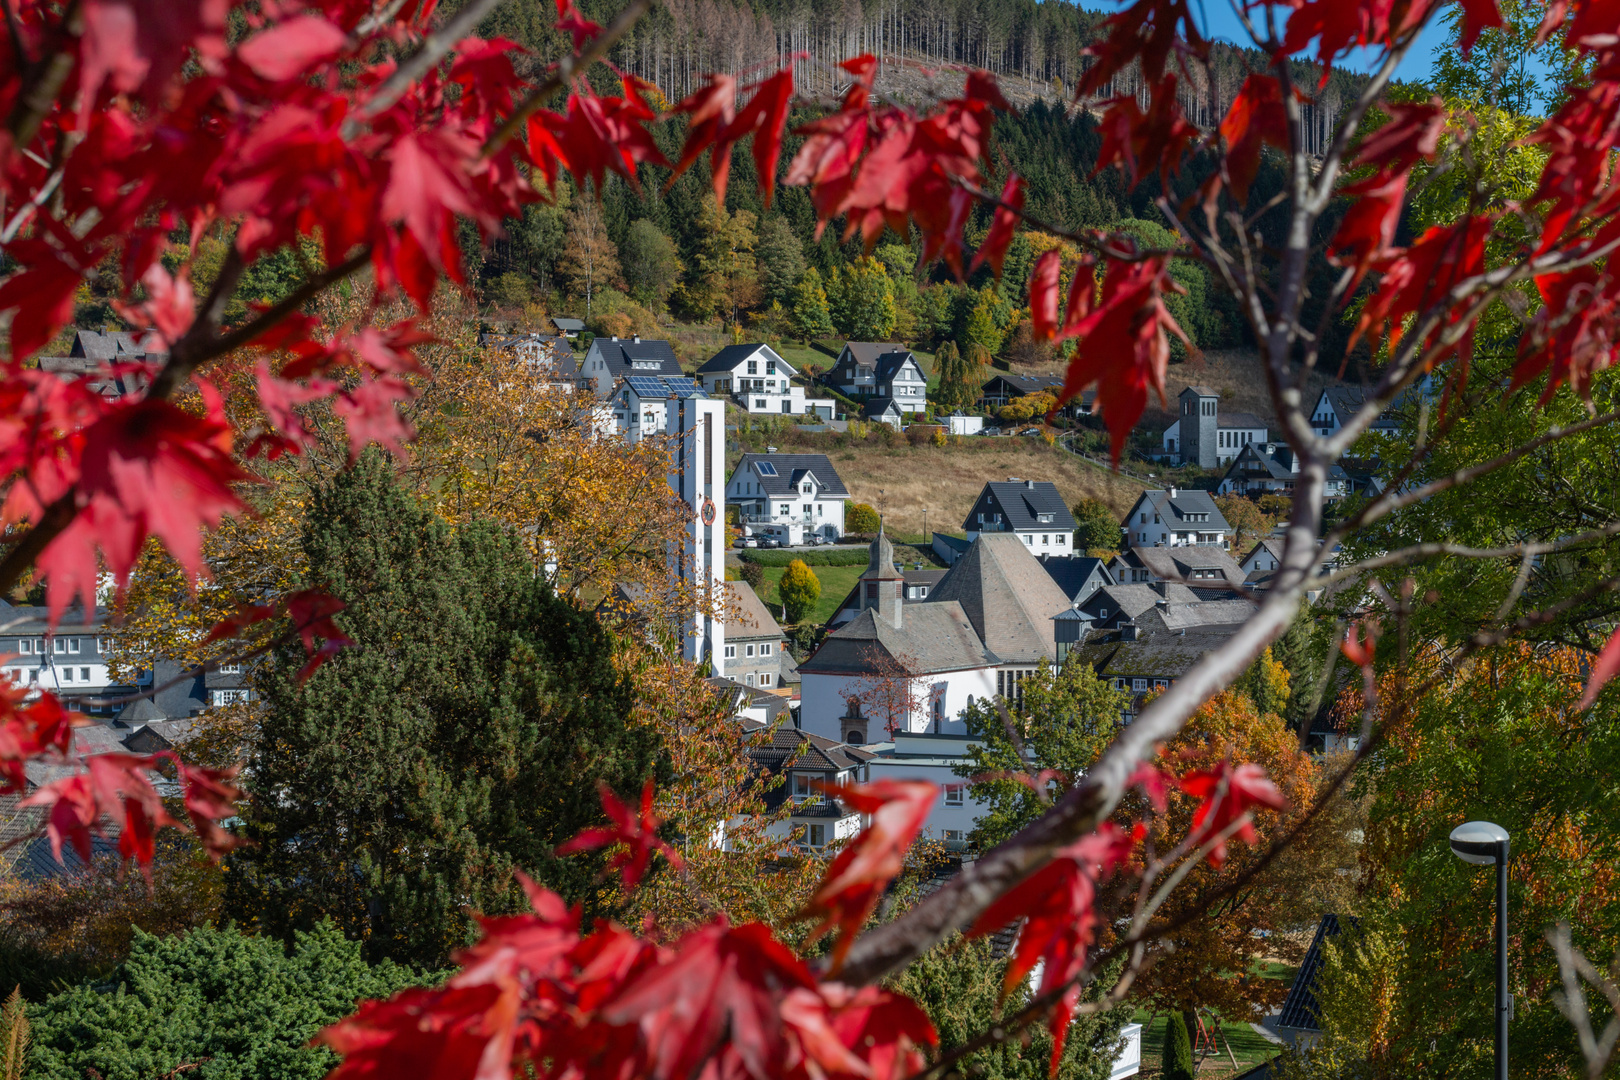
(882, 586)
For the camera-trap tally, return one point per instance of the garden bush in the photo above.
(832, 557)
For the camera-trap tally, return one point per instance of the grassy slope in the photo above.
(903, 480)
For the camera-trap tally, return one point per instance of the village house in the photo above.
(1032, 510)
(803, 762)
(895, 667)
(877, 369)
(1204, 435)
(1202, 566)
(549, 354)
(1272, 469)
(756, 649)
(611, 359)
(642, 404)
(1078, 575)
(1335, 405)
(1175, 517)
(96, 353)
(1159, 645)
(759, 380)
(789, 496)
(568, 328)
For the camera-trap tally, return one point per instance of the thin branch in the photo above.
(434, 48)
(1415, 552)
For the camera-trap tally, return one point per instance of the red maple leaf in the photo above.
(292, 47)
(210, 798)
(1124, 347)
(716, 125)
(1002, 226)
(113, 796)
(1043, 295)
(722, 988)
(1228, 795)
(1424, 275)
(635, 832)
(850, 889)
(1059, 920)
(1255, 119)
(29, 731)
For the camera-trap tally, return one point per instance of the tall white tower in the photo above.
(699, 423)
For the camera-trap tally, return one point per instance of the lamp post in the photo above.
(1483, 843)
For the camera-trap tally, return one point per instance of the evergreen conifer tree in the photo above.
(1178, 1054)
(460, 738)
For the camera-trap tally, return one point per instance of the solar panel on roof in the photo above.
(765, 468)
(682, 387)
(646, 385)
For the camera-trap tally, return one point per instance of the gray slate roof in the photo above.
(108, 346)
(1239, 420)
(1071, 572)
(567, 325)
(742, 696)
(755, 621)
(1273, 546)
(1154, 654)
(1187, 562)
(1008, 597)
(729, 357)
(866, 353)
(1022, 501)
(1299, 1008)
(932, 637)
(891, 362)
(1131, 600)
(619, 354)
(880, 407)
(790, 469)
(1196, 614)
(1186, 501)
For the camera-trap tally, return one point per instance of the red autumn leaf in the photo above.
(1059, 920)
(1124, 348)
(371, 415)
(1131, 137)
(1002, 226)
(1411, 135)
(1574, 335)
(1577, 178)
(1366, 233)
(29, 731)
(292, 47)
(635, 831)
(850, 889)
(41, 293)
(597, 135)
(1155, 784)
(210, 798)
(1147, 32)
(454, 1032)
(536, 945)
(722, 987)
(715, 124)
(113, 789)
(232, 625)
(140, 44)
(1603, 669)
(1255, 119)
(170, 305)
(310, 612)
(1043, 294)
(1228, 794)
(1423, 276)
(147, 467)
(1082, 294)
(1358, 645)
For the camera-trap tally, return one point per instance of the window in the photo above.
(981, 519)
(954, 836)
(818, 836)
(766, 649)
(26, 645)
(1029, 539)
(1062, 538)
(73, 645)
(1121, 684)
(765, 678)
(770, 367)
(230, 669)
(1046, 538)
(753, 367)
(1139, 685)
(748, 650)
(1144, 517)
(801, 786)
(1102, 612)
(953, 794)
(84, 674)
(854, 738)
(67, 674)
(61, 645)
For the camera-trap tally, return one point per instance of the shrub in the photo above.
(233, 1005)
(799, 589)
(754, 574)
(861, 518)
(835, 557)
(1178, 1056)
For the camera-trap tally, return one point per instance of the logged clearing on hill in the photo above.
(903, 480)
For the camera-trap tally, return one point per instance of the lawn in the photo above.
(836, 581)
(1249, 1046)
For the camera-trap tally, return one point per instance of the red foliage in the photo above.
(1229, 794)
(1256, 119)
(634, 831)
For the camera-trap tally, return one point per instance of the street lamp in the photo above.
(1483, 843)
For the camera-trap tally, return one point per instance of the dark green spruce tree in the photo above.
(461, 738)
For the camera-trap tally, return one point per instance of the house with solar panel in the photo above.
(641, 403)
(613, 358)
(757, 378)
(791, 497)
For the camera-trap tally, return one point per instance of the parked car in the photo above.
(747, 541)
(769, 542)
(1031, 431)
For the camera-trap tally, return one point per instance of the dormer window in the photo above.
(1045, 519)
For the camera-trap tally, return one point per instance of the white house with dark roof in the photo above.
(801, 761)
(896, 667)
(1337, 404)
(612, 358)
(881, 370)
(641, 404)
(1170, 518)
(756, 377)
(1273, 469)
(790, 496)
(1031, 509)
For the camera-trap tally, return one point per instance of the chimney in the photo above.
(1127, 631)
(770, 449)
(636, 338)
(1030, 484)
(615, 337)
(1172, 491)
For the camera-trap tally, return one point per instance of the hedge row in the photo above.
(825, 557)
